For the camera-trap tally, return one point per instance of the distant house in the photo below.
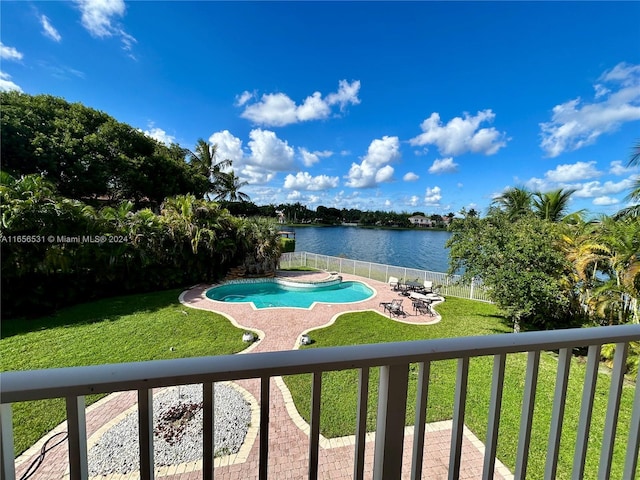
(421, 221)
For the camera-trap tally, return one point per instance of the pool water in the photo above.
(272, 294)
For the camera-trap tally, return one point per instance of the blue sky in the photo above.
(418, 106)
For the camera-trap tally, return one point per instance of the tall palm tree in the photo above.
(552, 205)
(229, 187)
(205, 161)
(515, 202)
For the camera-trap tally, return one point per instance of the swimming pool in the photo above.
(271, 294)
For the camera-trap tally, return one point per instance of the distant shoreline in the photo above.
(366, 227)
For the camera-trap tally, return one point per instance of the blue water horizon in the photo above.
(422, 249)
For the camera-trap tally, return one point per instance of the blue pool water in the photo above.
(271, 294)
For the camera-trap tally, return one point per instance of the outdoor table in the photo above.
(413, 285)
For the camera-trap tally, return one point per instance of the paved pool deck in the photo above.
(280, 329)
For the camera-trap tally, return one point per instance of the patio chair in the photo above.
(393, 283)
(394, 308)
(427, 286)
(423, 307)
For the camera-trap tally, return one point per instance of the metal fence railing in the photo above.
(448, 285)
(394, 360)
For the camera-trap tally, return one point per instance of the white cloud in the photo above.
(414, 200)
(443, 165)
(432, 196)
(598, 189)
(311, 158)
(374, 167)
(6, 84)
(617, 168)
(9, 53)
(98, 18)
(575, 124)
(461, 135)
(268, 151)
(410, 177)
(49, 30)
(277, 109)
(605, 201)
(228, 146)
(573, 172)
(266, 154)
(304, 181)
(347, 94)
(243, 98)
(159, 134)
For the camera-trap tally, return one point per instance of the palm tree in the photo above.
(515, 202)
(204, 160)
(552, 206)
(229, 187)
(633, 211)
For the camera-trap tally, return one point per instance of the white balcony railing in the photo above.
(393, 358)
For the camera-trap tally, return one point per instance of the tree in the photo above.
(520, 264)
(515, 202)
(228, 186)
(553, 205)
(633, 211)
(87, 154)
(205, 162)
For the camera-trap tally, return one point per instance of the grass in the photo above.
(123, 329)
(145, 327)
(464, 317)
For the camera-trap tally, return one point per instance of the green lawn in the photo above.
(463, 317)
(123, 329)
(145, 327)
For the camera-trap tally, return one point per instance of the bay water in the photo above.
(421, 249)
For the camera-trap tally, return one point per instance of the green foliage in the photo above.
(517, 259)
(88, 155)
(76, 252)
(288, 245)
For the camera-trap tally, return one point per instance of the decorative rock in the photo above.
(117, 451)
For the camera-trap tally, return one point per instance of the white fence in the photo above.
(448, 285)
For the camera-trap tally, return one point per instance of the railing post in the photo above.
(264, 428)
(77, 438)
(208, 430)
(145, 426)
(471, 289)
(7, 469)
(633, 443)
(392, 406)
(361, 428)
(613, 408)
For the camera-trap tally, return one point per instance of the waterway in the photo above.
(422, 249)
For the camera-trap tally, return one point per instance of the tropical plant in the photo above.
(515, 202)
(633, 211)
(521, 265)
(228, 187)
(204, 160)
(553, 205)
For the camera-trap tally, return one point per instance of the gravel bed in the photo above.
(177, 420)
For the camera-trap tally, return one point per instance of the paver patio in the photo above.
(288, 443)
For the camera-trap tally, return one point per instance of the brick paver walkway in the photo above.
(288, 434)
